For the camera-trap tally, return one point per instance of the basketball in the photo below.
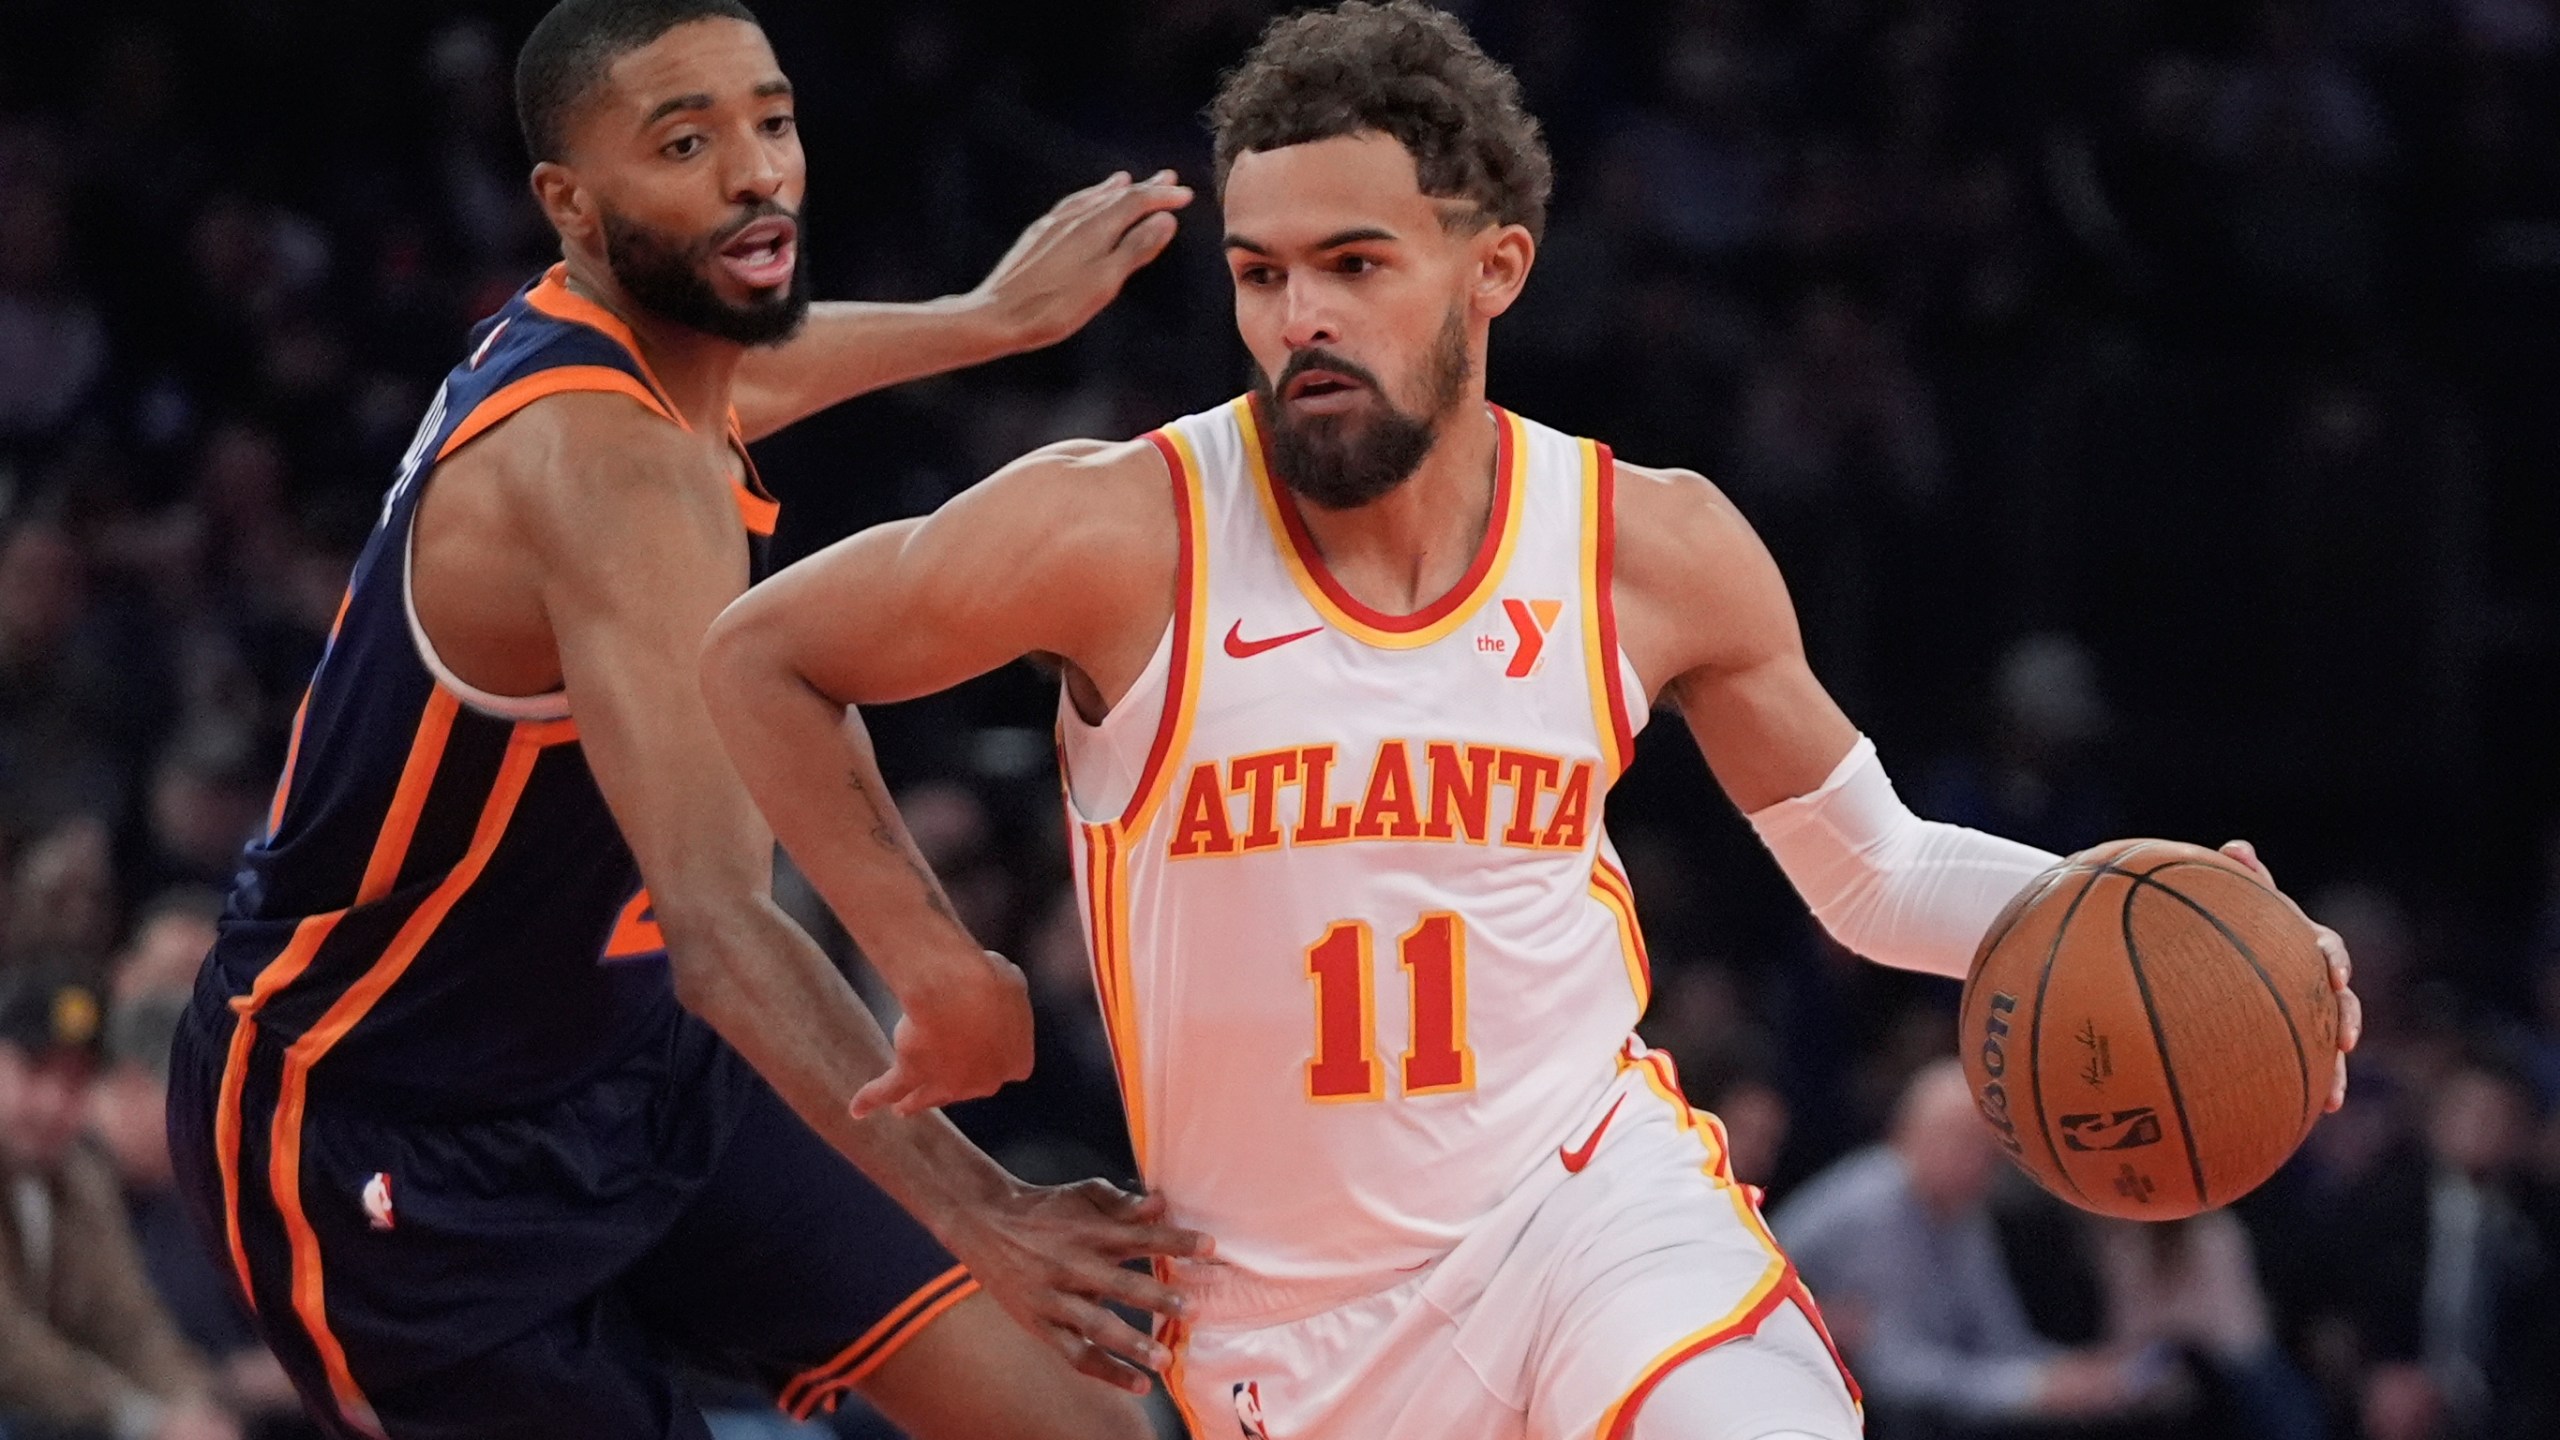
(2149, 1029)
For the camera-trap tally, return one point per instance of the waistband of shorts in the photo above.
(1223, 1296)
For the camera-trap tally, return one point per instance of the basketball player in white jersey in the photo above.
(1349, 666)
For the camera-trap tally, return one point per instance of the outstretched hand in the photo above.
(1073, 260)
(2341, 970)
(970, 1035)
(1051, 1256)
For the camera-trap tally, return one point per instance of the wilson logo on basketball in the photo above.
(2124, 1130)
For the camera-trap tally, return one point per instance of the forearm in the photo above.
(757, 978)
(808, 762)
(852, 347)
(1911, 893)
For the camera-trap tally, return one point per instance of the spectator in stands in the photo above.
(85, 1347)
(169, 939)
(128, 1108)
(62, 902)
(2192, 1285)
(2454, 1294)
(1897, 1241)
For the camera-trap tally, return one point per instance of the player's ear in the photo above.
(1504, 254)
(565, 203)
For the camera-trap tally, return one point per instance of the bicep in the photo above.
(1769, 730)
(1711, 601)
(1014, 567)
(630, 590)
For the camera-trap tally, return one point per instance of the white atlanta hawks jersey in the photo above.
(1364, 952)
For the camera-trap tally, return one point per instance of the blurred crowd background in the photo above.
(2156, 408)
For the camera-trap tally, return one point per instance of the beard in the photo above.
(663, 275)
(1342, 462)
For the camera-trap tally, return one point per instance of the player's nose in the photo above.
(759, 175)
(1309, 320)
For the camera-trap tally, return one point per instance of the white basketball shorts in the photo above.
(1557, 1318)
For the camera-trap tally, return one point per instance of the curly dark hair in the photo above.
(1404, 69)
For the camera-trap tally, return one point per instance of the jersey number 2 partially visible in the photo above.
(1436, 1058)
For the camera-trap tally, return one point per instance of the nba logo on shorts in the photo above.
(1248, 1397)
(377, 1201)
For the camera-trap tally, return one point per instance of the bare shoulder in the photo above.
(568, 464)
(1672, 517)
(1103, 506)
(1694, 585)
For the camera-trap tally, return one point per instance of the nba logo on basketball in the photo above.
(1248, 1396)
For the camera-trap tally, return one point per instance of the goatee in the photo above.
(1342, 462)
(663, 275)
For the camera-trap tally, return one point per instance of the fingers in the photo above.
(2350, 1021)
(2247, 854)
(2342, 966)
(1146, 239)
(1138, 1230)
(2338, 1085)
(1091, 1359)
(891, 1088)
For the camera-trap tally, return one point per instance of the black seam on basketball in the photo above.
(2017, 909)
(2160, 1041)
(2035, 1040)
(2302, 1067)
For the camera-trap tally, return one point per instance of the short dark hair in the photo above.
(1404, 69)
(570, 49)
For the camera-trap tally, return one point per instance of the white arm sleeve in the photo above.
(1911, 893)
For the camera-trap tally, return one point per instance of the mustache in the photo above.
(1322, 359)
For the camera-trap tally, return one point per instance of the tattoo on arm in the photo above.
(885, 834)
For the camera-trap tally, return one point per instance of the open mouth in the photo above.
(762, 255)
(1321, 391)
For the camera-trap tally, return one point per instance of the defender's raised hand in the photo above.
(1057, 276)
(1072, 261)
(1051, 1256)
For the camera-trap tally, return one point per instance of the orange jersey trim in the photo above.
(1190, 598)
(1107, 895)
(1618, 1422)
(1778, 1282)
(1435, 621)
(552, 296)
(382, 867)
(302, 712)
(820, 1386)
(409, 799)
(1611, 889)
(284, 1165)
(1609, 711)
(558, 380)
(1176, 1337)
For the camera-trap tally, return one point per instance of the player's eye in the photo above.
(683, 147)
(778, 126)
(1355, 265)
(1257, 275)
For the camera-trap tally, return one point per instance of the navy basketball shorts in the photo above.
(531, 1274)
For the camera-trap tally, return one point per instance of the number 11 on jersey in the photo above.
(1436, 1058)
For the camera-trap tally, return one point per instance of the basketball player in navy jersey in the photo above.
(506, 1077)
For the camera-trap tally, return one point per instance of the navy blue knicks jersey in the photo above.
(442, 911)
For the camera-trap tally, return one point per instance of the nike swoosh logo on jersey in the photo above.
(1580, 1156)
(1244, 649)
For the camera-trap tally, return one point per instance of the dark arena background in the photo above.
(2154, 406)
